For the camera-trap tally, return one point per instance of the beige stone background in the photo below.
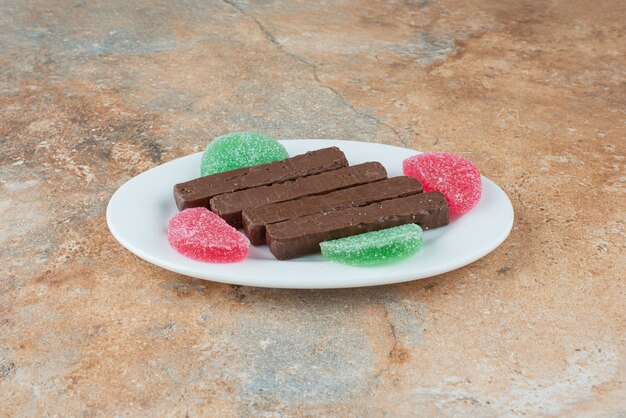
(95, 92)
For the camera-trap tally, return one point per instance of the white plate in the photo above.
(138, 212)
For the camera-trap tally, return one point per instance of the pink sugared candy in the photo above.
(456, 177)
(202, 235)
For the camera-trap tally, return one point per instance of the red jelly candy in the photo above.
(202, 235)
(456, 177)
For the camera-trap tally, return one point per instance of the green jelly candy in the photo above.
(238, 150)
(376, 247)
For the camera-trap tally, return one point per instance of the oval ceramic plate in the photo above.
(138, 213)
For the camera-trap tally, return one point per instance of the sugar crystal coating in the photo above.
(238, 150)
(378, 247)
(456, 177)
(202, 235)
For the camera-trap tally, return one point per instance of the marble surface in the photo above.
(93, 93)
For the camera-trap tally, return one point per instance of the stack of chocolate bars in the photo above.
(295, 204)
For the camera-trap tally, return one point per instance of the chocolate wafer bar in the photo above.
(198, 192)
(255, 219)
(230, 205)
(301, 236)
